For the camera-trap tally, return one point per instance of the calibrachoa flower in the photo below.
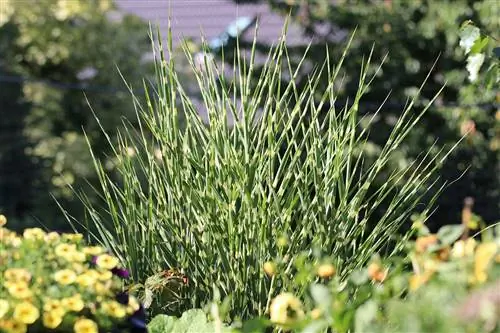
(85, 326)
(53, 281)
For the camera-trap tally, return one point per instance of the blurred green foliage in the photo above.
(419, 37)
(56, 59)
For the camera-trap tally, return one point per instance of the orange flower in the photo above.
(377, 272)
(423, 243)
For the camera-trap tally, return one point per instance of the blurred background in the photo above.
(59, 62)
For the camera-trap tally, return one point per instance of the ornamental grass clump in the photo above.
(51, 282)
(213, 198)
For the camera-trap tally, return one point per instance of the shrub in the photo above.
(213, 200)
(53, 282)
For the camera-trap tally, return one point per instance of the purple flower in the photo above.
(121, 272)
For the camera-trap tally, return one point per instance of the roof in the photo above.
(210, 18)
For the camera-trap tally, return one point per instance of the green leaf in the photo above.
(191, 321)
(468, 36)
(450, 233)
(255, 325)
(321, 295)
(365, 315)
(161, 324)
(479, 45)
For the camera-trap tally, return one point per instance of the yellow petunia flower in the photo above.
(34, 234)
(3, 220)
(19, 290)
(105, 275)
(52, 237)
(93, 250)
(4, 307)
(114, 309)
(286, 309)
(77, 256)
(11, 326)
(73, 303)
(84, 325)
(26, 313)
(65, 276)
(86, 279)
(65, 250)
(17, 274)
(73, 237)
(54, 306)
(106, 261)
(52, 319)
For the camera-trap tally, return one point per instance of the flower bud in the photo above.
(326, 271)
(270, 268)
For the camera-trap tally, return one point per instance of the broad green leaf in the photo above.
(468, 36)
(255, 325)
(161, 324)
(450, 233)
(474, 63)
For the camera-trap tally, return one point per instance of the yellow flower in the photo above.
(11, 326)
(114, 309)
(17, 274)
(65, 276)
(101, 289)
(4, 307)
(73, 237)
(65, 250)
(286, 309)
(316, 313)
(106, 261)
(26, 313)
(54, 306)
(3, 220)
(484, 254)
(377, 272)
(52, 237)
(52, 319)
(74, 303)
(93, 250)
(463, 248)
(417, 280)
(86, 279)
(424, 242)
(34, 234)
(269, 268)
(84, 325)
(326, 271)
(105, 275)
(78, 256)
(133, 305)
(19, 289)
